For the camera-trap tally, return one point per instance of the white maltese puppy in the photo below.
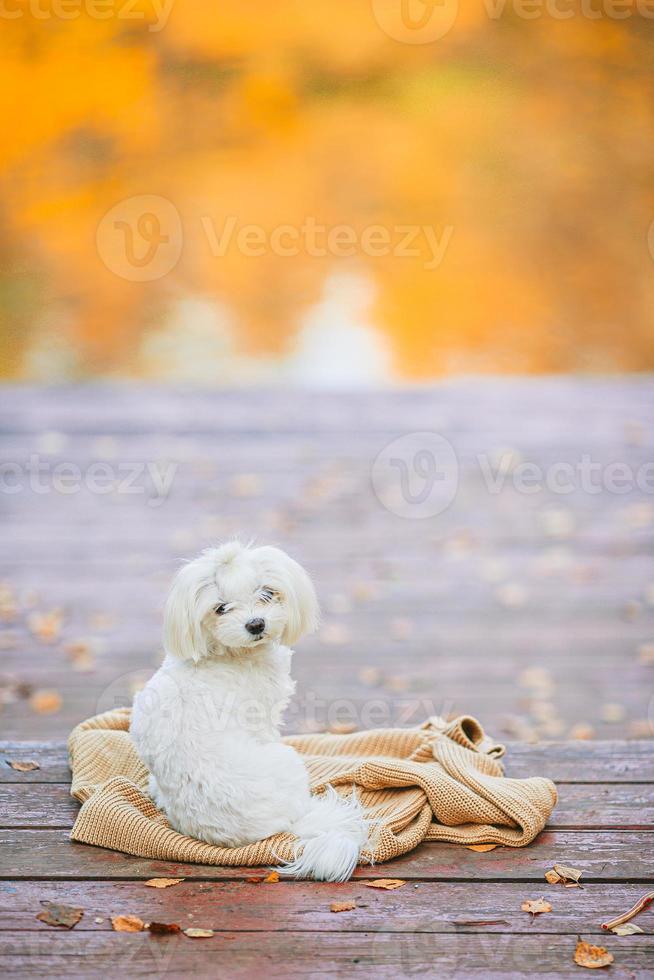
(207, 723)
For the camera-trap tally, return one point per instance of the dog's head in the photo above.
(237, 599)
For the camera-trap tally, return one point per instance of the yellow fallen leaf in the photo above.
(342, 906)
(272, 878)
(46, 626)
(387, 884)
(536, 906)
(481, 847)
(590, 956)
(626, 929)
(46, 702)
(27, 766)
(127, 923)
(199, 933)
(163, 882)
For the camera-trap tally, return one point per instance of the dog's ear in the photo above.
(182, 615)
(299, 594)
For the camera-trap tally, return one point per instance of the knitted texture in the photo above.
(442, 781)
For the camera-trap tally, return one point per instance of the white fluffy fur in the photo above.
(207, 723)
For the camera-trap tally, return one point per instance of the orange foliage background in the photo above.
(530, 138)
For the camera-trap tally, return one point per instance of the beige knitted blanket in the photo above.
(440, 782)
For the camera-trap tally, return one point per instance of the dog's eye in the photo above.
(221, 609)
(267, 595)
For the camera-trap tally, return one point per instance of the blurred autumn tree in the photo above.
(531, 140)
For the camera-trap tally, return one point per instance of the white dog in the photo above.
(207, 723)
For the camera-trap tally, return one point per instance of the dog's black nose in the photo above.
(255, 626)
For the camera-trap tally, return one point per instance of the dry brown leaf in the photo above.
(127, 923)
(626, 929)
(60, 915)
(254, 880)
(46, 702)
(46, 626)
(163, 928)
(342, 906)
(163, 882)
(535, 906)
(481, 847)
(81, 655)
(27, 766)
(590, 956)
(272, 878)
(371, 676)
(199, 933)
(564, 875)
(387, 884)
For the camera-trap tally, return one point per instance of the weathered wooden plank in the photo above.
(604, 855)
(607, 806)
(564, 762)
(243, 955)
(557, 405)
(417, 907)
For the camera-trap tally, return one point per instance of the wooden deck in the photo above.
(458, 915)
(533, 611)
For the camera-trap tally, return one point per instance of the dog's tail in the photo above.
(331, 835)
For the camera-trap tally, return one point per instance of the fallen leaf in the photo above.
(46, 626)
(199, 933)
(163, 882)
(272, 878)
(163, 928)
(342, 906)
(481, 847)
(27, 766)
(535, 906)
(254, 880)
(46, 702)
(626, 929)
(387, 884)
(591, 957)
(583, 731)
(335, 634)
(60, 915)
(370, 676)
(562, 874)
(612, 712)
(397, 684)
(127, 923)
